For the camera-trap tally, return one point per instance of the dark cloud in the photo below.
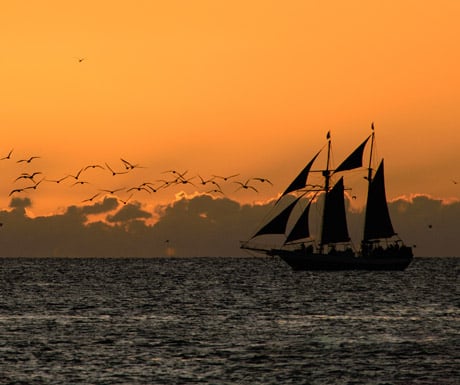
(206, 226)
(431, 224)
(129, 212)
(108, 204)
(20, 203)
(200, 226)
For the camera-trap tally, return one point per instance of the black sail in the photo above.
(278, 224)
(301, 180)
(377, 222)
(301, 230)
(335, 221)
(355, 159)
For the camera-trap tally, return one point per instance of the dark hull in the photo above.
(300, 260)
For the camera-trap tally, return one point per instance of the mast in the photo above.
(369, 169)
(369, 173)
(327, 177)
(377, 221)
(334, 226)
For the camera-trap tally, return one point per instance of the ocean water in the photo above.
(226, 321)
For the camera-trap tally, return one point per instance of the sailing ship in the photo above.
(380, 248)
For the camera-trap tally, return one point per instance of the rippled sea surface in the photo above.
(226, 321)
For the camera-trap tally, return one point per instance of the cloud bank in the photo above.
(196, 226)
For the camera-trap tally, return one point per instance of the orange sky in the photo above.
(211, 87)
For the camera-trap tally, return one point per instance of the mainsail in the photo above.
(335, 221)
(301, 229)
(278, 224)
(301, 180)
(377, 222)
(355, 159)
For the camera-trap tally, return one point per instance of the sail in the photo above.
(355, 159)
(278, 224)
(301, 229)
(335, 221)
(377, 222)
(301, 180)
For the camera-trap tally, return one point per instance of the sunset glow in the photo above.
(216, 88)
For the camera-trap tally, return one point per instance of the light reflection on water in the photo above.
(226, 321)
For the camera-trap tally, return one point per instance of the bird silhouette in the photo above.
(205, 181)
(76, 176)
(182, 180)
(166, 183)
(263, 180)
(129, 165)
(215, 191)
(57, 180)
(8, 156)
(126, 200)
(225, 178)
(139, 188)
(115, 172)
(80, 182)
(25, 175)
(92, 198)
(34, 187)
(150, 186)
(245, 186)
(112, 191)
(28, 160)
(215, 184)
(16, 190)
(93, 166)
(176, 173)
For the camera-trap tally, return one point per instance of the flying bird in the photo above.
(76, 176)
(225, 178)
(166, 183)
(263, 180)
(57, 180)
(245, 186)
(34, 187)
(184, 181)
(215, 191)
(215, 184)
(92, 198)
(112, 191)
(125, 201)
(8, 156)
(205, 181)
(80, 182)
(177, 173)
(17, 190)
(130, 166)
(28, 160)
(25, 175)
(139, 188)
(94, 166)
(150, 186)
(115, 172)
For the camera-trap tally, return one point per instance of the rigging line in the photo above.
(305, 204)
(270, 215)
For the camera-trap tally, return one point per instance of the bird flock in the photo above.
(29, 181)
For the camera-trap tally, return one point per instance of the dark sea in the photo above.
(226, 321)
